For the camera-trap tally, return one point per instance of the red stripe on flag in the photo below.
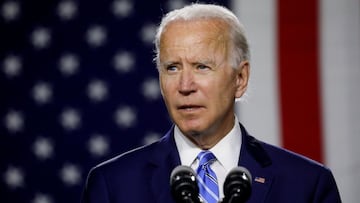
(299, 77)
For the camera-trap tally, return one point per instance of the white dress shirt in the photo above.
(227, 152)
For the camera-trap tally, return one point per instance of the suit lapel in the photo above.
(162, 161)
(256, 160)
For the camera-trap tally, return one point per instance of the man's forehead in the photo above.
(194, 43)
(214, 27)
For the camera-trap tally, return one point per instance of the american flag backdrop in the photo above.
(78, 86)
(304, 82)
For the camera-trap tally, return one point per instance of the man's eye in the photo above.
(171, 68)
(203, 67)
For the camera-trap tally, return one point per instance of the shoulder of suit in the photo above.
(129, 159)
(285, 158)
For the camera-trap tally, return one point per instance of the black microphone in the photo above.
(184, 187)
(237, 186)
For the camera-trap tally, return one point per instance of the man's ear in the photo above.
(242, 78)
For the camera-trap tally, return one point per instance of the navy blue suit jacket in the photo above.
(142, 175)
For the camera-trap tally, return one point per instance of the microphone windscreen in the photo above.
(183, 184)
(179, 170)
(240, 170)
(237, 185)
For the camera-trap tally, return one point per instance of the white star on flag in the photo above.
(70, 119)
(151, 89)
(14, 121)
(41, 37)
(42, 198)
(10, 10)
(14, 177)
(96, 36)
(70, 174)
(43, 148)
(124, 61)
(151, 137)
(42, 92)
(69, 64)
(148, 33)
(12, 65)
(175, 4)
(67, 9)
(122, 8)
(97, 90)
(125, 117)
(98, 145)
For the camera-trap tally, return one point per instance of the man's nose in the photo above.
(187, 83)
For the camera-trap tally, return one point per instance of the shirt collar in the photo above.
(227, 156)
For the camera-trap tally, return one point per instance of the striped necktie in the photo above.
(207, 181)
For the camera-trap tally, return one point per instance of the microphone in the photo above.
(237, 185)
(184, 187)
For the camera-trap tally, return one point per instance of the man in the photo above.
(203, 63)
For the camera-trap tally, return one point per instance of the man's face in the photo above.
(198, 85)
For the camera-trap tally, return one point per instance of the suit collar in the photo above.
(252, 147)
(255, 158)
(165, 150)
(163, 160)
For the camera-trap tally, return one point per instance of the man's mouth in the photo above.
(189, 107)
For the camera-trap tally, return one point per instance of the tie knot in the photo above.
(206, 158)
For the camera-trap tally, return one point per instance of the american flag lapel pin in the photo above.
(260, 179)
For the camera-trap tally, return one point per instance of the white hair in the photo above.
(197, 11)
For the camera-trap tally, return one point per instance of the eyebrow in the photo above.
(167, 63)
(205, 62)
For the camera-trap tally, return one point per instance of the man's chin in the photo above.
(193, 128)
(192, 132)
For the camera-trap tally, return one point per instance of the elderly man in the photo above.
(203, 63)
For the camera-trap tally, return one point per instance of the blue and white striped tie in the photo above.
(207, 181)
